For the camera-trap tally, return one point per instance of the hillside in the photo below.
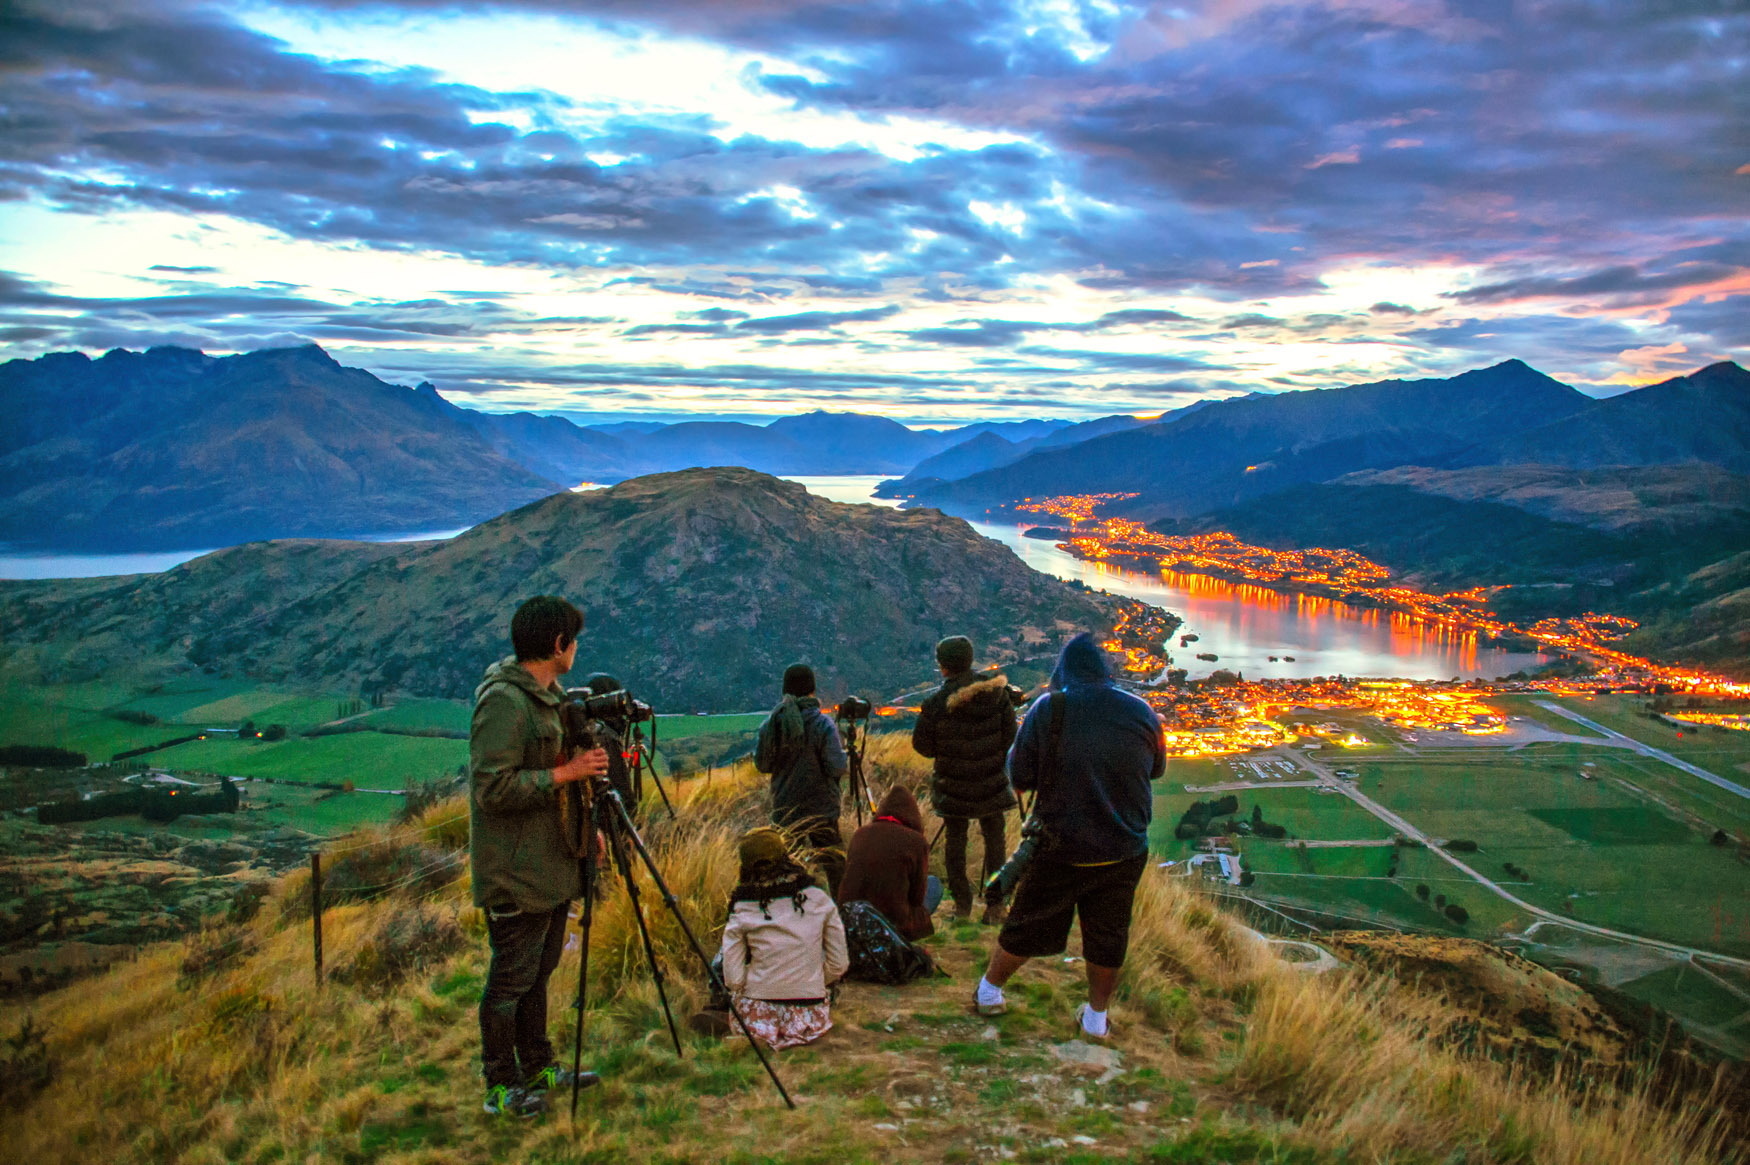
(1230, 450)
(1623, 497)
(1702, 417)
(172, 449)
(699, 587)
(220, 1047)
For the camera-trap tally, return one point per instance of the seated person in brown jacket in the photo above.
(888, 866)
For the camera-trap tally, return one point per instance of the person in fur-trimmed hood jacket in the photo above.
(966, 727)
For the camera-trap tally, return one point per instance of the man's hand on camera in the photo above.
(582, 767)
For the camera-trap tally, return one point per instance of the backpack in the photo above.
(879, 953)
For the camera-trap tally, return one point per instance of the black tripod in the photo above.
(608, 815)
(856, 736)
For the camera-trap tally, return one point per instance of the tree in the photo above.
(1257, 814)
(1422, 891)
(1439, 901)
(1458, 914)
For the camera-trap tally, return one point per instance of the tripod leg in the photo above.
(649, 949)
(588, 865)
(673, 816)
(674, 908)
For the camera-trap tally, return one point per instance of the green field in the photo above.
(451, 716)
(1305, 813)
(682, 726)
(372, 760)
(1718, 750)
(1593, 850)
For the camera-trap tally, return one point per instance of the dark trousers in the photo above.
(829, 851)
(513, 1007)
(996, 846)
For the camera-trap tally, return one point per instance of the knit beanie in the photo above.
(955, 653)
(799, 680)
(764, 844)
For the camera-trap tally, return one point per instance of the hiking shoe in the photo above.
(1000, 1007)
(995, 913)
(1088, 1037)
(512, 1100)
(963, 913)
(554, 1077)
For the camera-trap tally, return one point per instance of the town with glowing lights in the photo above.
(1228, 714)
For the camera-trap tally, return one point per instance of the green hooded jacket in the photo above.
(516, 846)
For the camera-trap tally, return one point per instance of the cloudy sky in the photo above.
(938, 210)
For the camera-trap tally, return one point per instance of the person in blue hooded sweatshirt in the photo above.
(1093, 798)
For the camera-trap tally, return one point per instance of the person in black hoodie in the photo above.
(966, 726)
(799, 746)
(1095, 801)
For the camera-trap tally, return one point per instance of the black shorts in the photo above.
(1052, 893)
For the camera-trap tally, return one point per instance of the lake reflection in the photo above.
(1243, 626)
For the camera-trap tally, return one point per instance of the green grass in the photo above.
(422, 716)
(1616, 826)
(681, 726)
(1682, 988)
(1305, 813)
(369, 759)
(1719, 752)
(1593, 850)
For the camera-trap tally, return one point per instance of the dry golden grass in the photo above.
(1230, 1055)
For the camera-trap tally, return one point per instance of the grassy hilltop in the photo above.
(219, 1047)
(699, 588)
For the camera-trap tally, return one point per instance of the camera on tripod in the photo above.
(854, 708)
(615, 705)
(605, 715)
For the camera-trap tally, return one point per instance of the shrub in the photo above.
(25, 1066)
(1457, 913)
(1719, 838)
(209, 950)
(405, 940)
(1460, 845)
(1439, 901)
(1198, 818)
(41, 756)
(1422, 891)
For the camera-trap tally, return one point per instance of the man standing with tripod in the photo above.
(966, 726)
(799, 746)
(525, 872)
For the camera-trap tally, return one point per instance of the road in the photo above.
(1410, 831)
(1230, 786)
(1645, 750)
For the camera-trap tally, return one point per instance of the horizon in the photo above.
(937, 214)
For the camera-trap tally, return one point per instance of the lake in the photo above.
(1243, 626)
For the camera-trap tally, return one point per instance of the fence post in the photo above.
(316, 910)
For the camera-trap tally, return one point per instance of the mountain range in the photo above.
(699, 587)
(174, 449)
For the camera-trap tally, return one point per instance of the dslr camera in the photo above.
(583, 710)
(854, 708)
(1017, 695)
